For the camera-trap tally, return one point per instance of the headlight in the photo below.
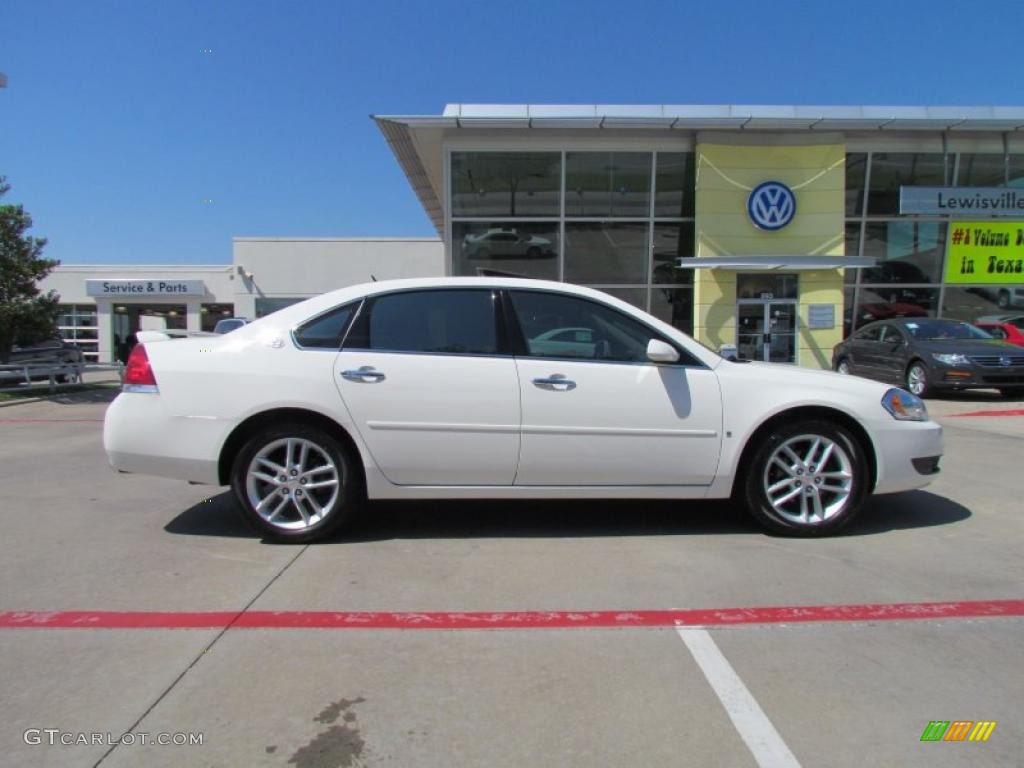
(904, 406)
(952, 359)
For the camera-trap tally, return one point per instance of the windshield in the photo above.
(945, 329)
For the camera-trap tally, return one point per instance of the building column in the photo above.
(193, 319)
(105, 331)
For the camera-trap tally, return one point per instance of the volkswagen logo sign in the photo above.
(771, 205)
(1005, 362)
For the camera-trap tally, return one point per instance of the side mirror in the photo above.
(660, 352)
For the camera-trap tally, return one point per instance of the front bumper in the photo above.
(903, 449)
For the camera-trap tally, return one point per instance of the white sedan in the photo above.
(447, 388)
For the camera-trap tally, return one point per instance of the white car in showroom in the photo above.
(451, 388)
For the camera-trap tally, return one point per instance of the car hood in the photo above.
(825, 381)
(967, 346)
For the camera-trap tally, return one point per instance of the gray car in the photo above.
(932, 355)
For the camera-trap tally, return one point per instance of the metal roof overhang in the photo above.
(775, 263)
(398, 129)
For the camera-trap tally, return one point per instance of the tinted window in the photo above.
(870, 334)
(443, 322)
(891, 335)
(325, 331)
(944, 329)
(556, 325)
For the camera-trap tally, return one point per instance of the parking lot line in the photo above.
(750, 721)
(700, 617)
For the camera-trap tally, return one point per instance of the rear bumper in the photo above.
(908, 455)
(140, 435)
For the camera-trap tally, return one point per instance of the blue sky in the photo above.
(116, 124)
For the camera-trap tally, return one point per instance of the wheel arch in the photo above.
(250, 426)
(807, 412)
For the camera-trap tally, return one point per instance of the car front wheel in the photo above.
(808, 478)
(843, 367)
(917, 380)
(295, 483)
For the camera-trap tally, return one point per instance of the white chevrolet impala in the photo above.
(503, 388)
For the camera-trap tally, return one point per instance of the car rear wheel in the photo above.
(295, 483)
(917, 380)
(808, 478)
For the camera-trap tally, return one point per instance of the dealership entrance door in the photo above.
(766, 317)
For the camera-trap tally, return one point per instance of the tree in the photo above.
(26, 314)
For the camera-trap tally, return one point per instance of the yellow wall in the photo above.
(726, 174)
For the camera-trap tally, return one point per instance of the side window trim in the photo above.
(359, 326)
(686, 360)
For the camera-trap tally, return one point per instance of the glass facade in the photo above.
(616, 221)
(620, 221)
(910, 250)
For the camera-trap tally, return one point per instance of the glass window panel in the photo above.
(517, 249)
(884, 303)
(556, 325)
(674, 185)
(1016, 171)
(674, 306)
(856, 165)
(607, 183)
(439, 322)
(671, 243)
(907, 251)
(975, 302)
(504, 184)
(766, 286)
(604, 253)
(978, 170)
(852, 249)
(891, 170)
(265, 306)
(636, 296)
(325, 331)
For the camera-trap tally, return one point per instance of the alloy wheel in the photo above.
(292, 483)
(808, 479)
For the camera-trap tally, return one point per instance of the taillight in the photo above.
(138, 374)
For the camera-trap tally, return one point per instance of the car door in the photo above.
(433, 396)
(864, 352)
(892, 353)
(600, 413)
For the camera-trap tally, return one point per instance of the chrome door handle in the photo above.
(364, 374)
(556, 381)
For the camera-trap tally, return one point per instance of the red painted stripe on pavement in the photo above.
(50, 421)
(1009, 412)
(708, 617)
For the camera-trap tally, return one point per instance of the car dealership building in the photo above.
(775, 230)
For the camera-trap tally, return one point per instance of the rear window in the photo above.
(325, 331)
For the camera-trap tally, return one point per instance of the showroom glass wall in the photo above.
(616, 221)
(909, 278)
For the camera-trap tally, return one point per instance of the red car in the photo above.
(1008, 332)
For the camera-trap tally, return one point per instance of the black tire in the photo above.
(761, 472)
(840, 363)
(926, 390)
(342, 510)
